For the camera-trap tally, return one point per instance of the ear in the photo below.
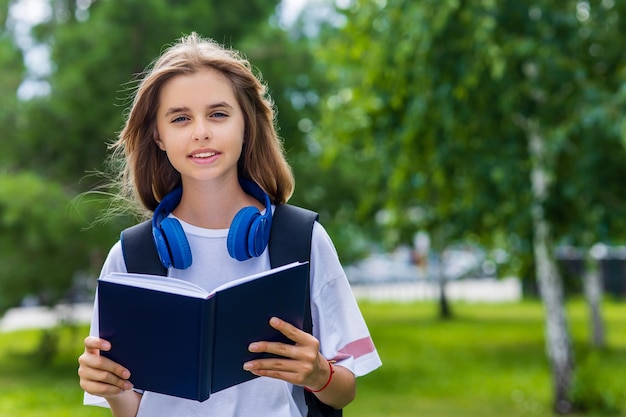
(157, 139)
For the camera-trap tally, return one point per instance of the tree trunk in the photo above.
(593, 294)
(445, 312)
(558, 343)
(444, 306)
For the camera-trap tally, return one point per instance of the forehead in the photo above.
(203, 86)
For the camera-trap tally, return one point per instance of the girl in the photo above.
(200, 119)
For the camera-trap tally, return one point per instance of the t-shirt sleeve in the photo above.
(337, 320)
(113, 263)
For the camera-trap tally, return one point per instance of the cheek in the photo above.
(244, 143)
(244, 132)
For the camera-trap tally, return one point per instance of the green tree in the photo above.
(297, 81)
(467, 112)
(96, 50)
(13, 72)
(45, 240)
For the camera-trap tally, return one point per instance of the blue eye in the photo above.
(180, 119)
(219, 115)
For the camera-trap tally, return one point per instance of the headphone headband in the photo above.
(253, 189)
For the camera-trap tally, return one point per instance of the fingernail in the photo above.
(128, 385)
(274, 321)
(247, 366)
(125, 374)
(253, 347)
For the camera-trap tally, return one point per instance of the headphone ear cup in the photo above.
(161, 246)
(237, 240)
(258, 236)
(176, 243)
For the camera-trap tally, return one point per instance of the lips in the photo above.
(203, 154)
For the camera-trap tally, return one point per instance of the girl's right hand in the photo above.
(99, 375)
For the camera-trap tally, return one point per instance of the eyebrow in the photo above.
(220, 104)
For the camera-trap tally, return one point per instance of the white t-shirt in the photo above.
(337, 324)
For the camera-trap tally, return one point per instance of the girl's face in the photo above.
(201, 126)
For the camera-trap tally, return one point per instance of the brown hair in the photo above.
(144, 170)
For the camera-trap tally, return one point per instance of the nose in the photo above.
(201, 131)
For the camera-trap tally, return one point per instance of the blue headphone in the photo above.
(247, 237)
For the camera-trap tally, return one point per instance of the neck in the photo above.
(213, 206)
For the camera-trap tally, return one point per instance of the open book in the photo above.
(178, 339)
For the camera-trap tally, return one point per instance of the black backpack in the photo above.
(290, 241)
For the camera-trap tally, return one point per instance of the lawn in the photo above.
(488, 361)
(28, 388)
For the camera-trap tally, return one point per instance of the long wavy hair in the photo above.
(145, 175)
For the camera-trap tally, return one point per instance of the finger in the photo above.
(279, 364)
(103, 389)
(91, 359)
(98, 380)
(95, 344)
(292, 360)
(284, 369)
(113, 370)
(98, 374)
(294, 372)
(281, 349)
(292, 332)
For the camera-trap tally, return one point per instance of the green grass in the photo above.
(489, 361)
(30, 388)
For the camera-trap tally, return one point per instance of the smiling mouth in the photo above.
(204, 155)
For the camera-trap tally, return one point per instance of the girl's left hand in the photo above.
(299, 364)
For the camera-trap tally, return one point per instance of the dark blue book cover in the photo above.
(190, 346)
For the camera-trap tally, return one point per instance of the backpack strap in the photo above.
(290, 241)
(290, 236)
(140, 254)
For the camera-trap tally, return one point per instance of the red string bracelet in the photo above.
(330, 377)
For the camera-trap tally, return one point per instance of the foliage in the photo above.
(594, 388)
(96, 51)
(43, 246)
(332, 189)
(431, 104)
(13, 71)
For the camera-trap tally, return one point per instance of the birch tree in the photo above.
(473, 111)
(559, 344)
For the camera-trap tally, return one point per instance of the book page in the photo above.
(181, 287)
(157, 283)
(252, 277)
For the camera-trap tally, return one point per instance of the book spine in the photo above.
(205, 351)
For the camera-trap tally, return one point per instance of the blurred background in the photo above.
(466, 156)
